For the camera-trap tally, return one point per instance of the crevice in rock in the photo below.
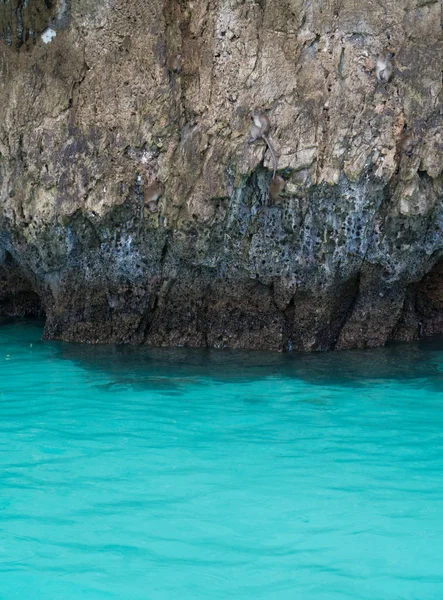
(345, 308)
(408, 326)
(288, 332)
(429, 301)
(18, 297)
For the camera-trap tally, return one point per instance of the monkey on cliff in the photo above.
(384, 68)
(173, 64)
(406, 143)
(151, 196)
(260, 130)
(276, 187)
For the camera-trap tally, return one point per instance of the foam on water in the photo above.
(163, 474)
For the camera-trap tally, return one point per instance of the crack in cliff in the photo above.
(160, 296)
(202, 318)
(258, 54)
(288, 326)
(409, 308)
(157, 304)
(75, 87)
(350, 310)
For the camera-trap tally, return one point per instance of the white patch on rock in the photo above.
(48, 34)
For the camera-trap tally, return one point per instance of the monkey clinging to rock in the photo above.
(384, 68)
(152, 194)
(406, 144)
(173, 64)
(260, 130)
(276, 187)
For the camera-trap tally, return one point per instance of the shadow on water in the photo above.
(143, 367)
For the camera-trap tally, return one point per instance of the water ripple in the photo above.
(138, 473)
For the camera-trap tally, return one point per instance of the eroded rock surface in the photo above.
(348, 256)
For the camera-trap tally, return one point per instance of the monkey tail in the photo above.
(271, 150)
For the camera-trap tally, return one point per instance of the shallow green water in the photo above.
(178, 474)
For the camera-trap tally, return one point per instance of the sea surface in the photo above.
(142, 474)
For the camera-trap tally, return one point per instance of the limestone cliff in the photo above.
(92, 119)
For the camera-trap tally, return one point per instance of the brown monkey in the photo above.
(407, 143)
(152, 194)
(276, 187)
(173, 64)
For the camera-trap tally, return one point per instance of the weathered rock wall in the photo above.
(92, 118)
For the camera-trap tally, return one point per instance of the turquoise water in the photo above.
(178, 474)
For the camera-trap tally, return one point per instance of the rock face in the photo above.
(132, 208)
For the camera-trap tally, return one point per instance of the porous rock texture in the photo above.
(348, 256)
